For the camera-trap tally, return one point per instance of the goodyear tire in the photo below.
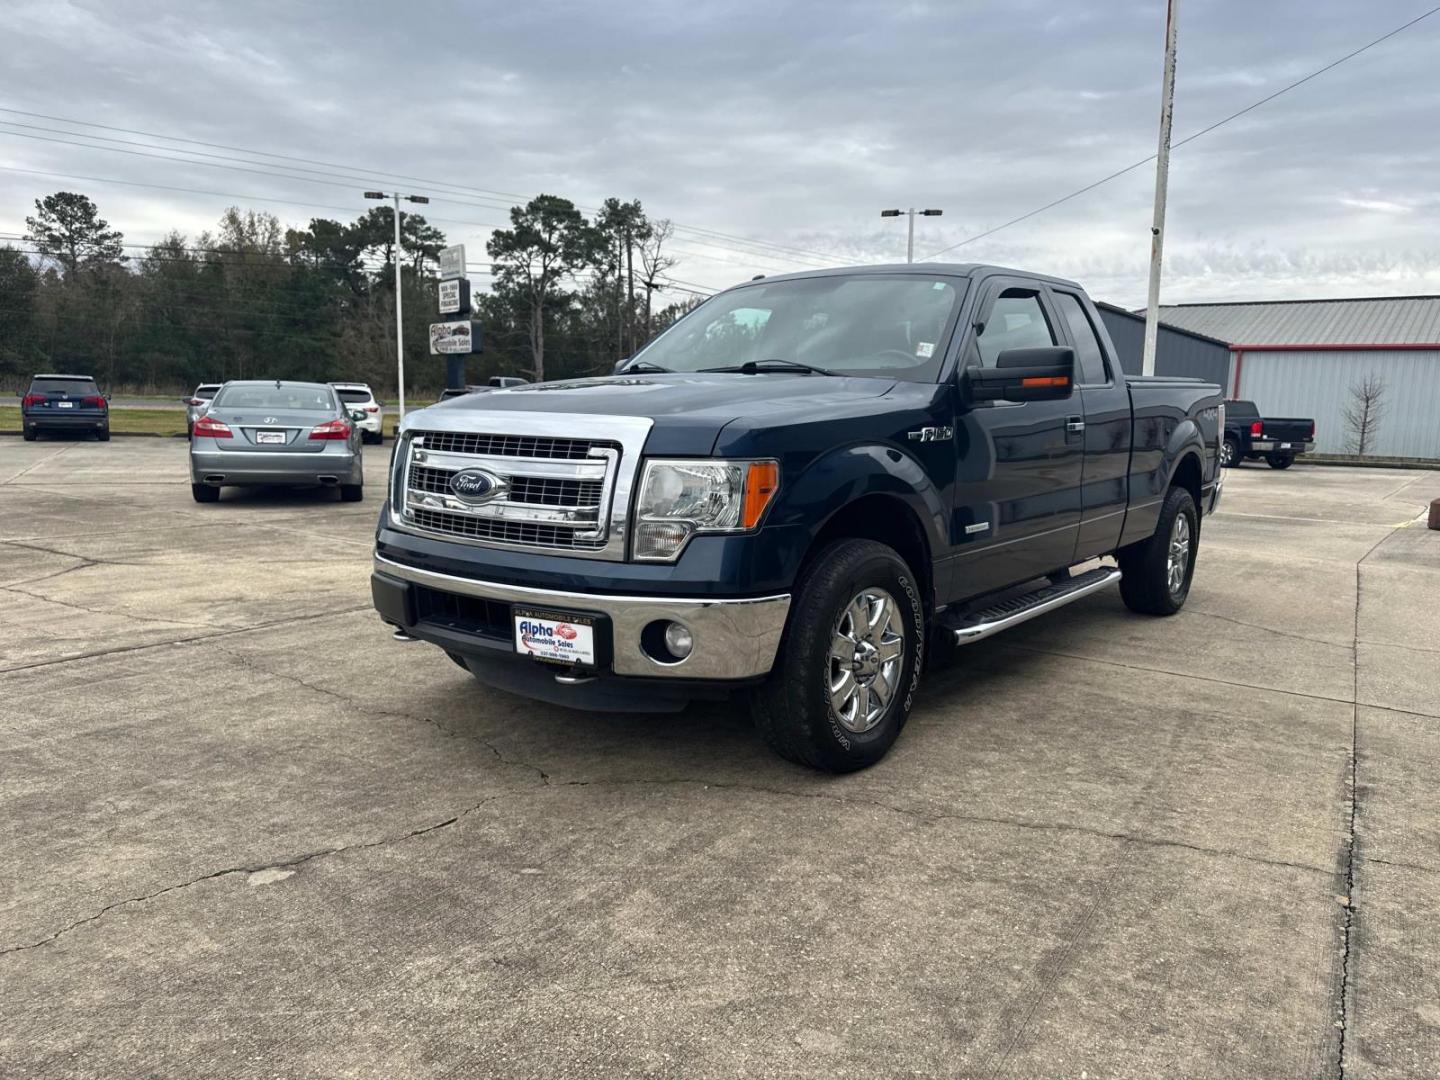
(1156, 573)
(849, 663)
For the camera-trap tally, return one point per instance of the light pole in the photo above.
(910, 244)
(1162, 184)
(399, 334)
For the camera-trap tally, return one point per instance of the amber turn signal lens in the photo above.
(761, 483)
(1046, 380)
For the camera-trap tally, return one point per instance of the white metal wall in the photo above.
(1319, 384)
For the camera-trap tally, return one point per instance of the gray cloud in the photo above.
(793, 123)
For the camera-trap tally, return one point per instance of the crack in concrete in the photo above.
(191, 640)
(940, 815)
(1269, 629)
(45, 460)
(248, 868)
(117, 614)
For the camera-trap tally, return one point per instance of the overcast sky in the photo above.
(791, 123)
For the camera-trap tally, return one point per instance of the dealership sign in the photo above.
(454, 337)
(455, 297)
(452, 262)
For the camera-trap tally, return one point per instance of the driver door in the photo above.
(1019, 468)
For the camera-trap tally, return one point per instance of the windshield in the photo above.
(298, 398)
(206, 392)
(354, 395)
(891, 325)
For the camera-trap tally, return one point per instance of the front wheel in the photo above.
(1156, 572)
(850, 661)
(1282, 459)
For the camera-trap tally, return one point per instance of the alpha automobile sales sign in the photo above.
(451, 337)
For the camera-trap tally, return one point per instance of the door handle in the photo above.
(1074, 425)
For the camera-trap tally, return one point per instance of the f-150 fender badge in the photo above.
(931, 434)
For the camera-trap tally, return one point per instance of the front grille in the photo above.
(502, 531)
(531, 446)
(546, 491)
(424, 478)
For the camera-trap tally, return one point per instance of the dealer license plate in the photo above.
(1284, 446)
(65, 404)
(551, 635)
(270, 437)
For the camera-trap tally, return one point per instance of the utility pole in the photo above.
(910, 242)
(1162, 184)
(399, 319)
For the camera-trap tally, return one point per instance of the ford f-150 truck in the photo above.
(791, 492)
(1248, 436)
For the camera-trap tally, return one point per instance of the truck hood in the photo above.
(689, 410)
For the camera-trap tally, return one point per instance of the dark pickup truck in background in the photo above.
(791, 493)
(1250, 436)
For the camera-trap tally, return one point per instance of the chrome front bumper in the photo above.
(734, 638)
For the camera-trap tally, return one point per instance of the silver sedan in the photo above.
(276, 432)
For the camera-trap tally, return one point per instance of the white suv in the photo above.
(357, 396)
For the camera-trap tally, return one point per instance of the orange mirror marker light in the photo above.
(1045, 380)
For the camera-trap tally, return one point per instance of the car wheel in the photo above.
(1229, 454)
(849, 662)
(28, 434)
(1156, 572)
(352, 492)
(1282, 460)
(103, 434)
(205, 493)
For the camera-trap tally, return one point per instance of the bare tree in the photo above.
(654, 261)
(1364, 413)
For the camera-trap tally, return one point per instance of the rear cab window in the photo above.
(1242, 410)
(43, 385)
(1089, 357)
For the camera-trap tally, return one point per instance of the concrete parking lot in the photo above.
(245, 834)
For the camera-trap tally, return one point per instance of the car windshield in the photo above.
(891, 325)
(63, 386)
(354, 395)
(296, 398)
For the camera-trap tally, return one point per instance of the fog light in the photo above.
(678, 640)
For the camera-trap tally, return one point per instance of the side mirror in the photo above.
(1045, 374)
(356, 415)
(620, 365)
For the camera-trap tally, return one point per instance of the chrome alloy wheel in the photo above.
(1227, 453)
(1178, 561)
(867, 653)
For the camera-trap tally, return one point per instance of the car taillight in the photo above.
(1257, 429)
(34, 399)
(93, 401)
(372, 408)
(1312, 429)
(209, 428)
(193, 402)
(331, 429)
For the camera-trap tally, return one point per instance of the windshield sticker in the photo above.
(925, 349)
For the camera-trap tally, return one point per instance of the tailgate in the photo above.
(1288, 429)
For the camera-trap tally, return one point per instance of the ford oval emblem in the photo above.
(475, 485)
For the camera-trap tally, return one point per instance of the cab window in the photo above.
(1089, 357)
(1016, 320)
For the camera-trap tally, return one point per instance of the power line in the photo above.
(1189, 138)
(487, 192)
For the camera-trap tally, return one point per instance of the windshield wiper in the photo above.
(644, 365)
(757, 367)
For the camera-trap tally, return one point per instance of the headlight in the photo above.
(681, 498)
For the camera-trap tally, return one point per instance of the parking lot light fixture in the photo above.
(910, 213)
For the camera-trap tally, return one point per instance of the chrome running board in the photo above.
(989, 621)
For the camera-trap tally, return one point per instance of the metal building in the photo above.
(1177, 351)
(1307, 357)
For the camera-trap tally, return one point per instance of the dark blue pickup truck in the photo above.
(792, 492)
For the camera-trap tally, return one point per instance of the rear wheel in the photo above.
(1281, 459)
(1156, 573)
(205, 493)
(103, 434)
(352, 492)
(28, 433)
(850, 661)
(1229, 453)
